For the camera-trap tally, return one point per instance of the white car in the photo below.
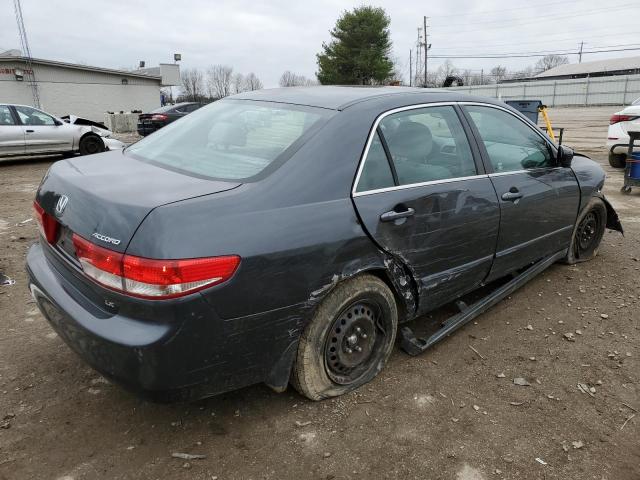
(28, 131)
(617, 138)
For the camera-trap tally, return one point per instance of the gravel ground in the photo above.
(451, 413)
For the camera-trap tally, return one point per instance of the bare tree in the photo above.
(239, 85)
(219, 81)
(290, 79)
(192, 84)
(252, 82)
(550, 61)
(498, 73)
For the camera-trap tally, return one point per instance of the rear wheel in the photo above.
(588, 232)
(348, 340)
(90, 144)
(617, 160)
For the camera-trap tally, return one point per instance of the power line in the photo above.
(537, 6)
(538, 51)
(560, 51)
(533, 55)
(539, 18)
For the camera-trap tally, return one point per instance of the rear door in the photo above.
(11, 133)
(42, 134)
(423, 196)
(538, 198)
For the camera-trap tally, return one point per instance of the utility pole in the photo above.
(418, 68)
(426, 48)
(410, 68)
(580, 54)
(26, 52)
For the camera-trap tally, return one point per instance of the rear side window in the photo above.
(5, 116)
(231, 139)
(510, 143)
(428, 144)
(424, 144)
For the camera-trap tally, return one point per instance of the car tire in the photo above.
(90, 144)
(349, 339)
(617, 160)
(588, 232)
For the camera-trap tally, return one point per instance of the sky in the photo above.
(270, 37)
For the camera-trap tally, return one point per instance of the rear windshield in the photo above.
(636, 102)
(231, 139)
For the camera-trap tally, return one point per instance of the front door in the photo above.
(42, 133)
(423, 197)
(11, 134)
(538, 199)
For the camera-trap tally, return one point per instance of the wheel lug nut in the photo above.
(348, 350)
(358, 348)
(363, 335)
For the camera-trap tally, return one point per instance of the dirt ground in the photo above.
(451, 413)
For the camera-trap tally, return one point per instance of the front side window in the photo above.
(231, 139)
(32, 117)
(5, 116)
(510, 143)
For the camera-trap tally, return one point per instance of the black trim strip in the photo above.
(387, 153)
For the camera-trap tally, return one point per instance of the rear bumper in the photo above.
(188, 353)
(147, 128)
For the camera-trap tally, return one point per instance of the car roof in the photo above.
(336, 98)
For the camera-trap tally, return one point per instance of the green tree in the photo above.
(359, 52)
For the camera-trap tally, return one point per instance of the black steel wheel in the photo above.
(354, 342)
(349, 339)
(90, 144)
(588, 232)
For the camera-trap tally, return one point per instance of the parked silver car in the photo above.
(26, 130)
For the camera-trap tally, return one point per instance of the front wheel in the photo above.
(588, 232)
(90, 144)
(348, 340)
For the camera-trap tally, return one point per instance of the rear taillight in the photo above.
(151, 278)
(47, 223)
(621, 118)
(159, 117)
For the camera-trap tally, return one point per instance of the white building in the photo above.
(81, 90)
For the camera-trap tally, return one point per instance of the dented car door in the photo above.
(424, 197)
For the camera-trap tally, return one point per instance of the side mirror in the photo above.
(57, 122)
(564, 157)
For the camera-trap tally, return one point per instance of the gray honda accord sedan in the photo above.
(281, 236)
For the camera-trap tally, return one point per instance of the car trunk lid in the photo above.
(105, 197)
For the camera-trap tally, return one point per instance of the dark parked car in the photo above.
(282, 235)
(160, 117)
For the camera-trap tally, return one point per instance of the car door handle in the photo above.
(512, 195)
(29, 131)
(393, 215)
